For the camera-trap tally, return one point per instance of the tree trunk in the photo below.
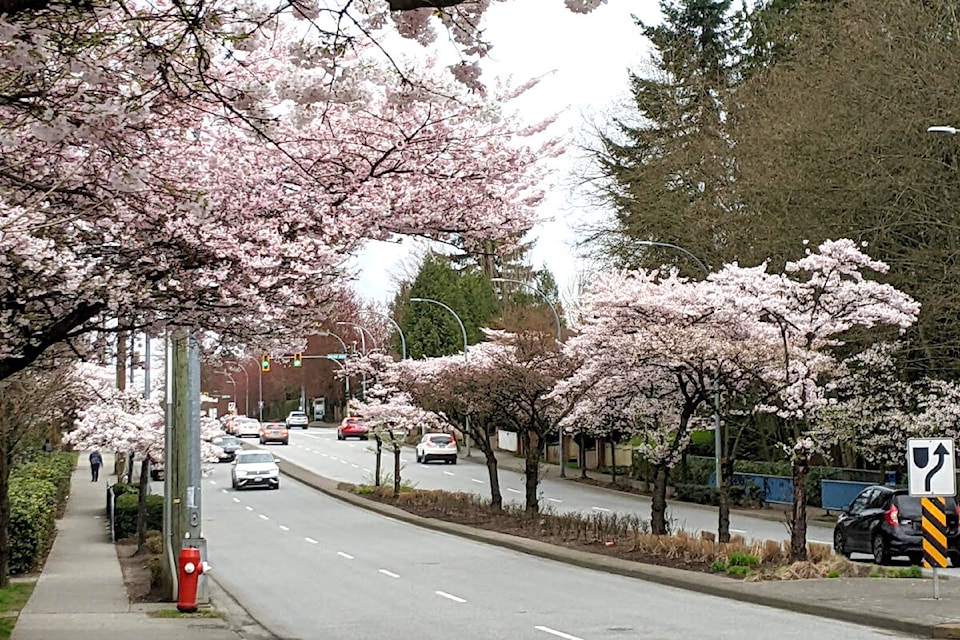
(798, 522)
(496, 499)
(142, 505)
(726, 480)
(582, 455)
(4, 518)
(613, 463)
(396, 469)
(531, 473)
(658, 509)
(376, 467)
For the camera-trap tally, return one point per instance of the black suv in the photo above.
(885, 522)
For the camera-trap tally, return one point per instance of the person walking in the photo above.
(95, 461)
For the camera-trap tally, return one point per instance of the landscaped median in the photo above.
(679, 561)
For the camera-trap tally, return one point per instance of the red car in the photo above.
(352, 427)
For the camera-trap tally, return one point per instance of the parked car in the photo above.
(885, 522)
(274, 432)
(437, 446)
(297, 419)
(352, 427)
(246, 427)
(230, 445)
(254, 468)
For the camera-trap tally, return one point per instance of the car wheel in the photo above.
(286, 442)
(840, 544)
(339, 436)
(881, 554)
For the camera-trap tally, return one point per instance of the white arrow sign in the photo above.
(930, 467)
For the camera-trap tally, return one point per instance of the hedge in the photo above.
(33, 511)
(125, 514)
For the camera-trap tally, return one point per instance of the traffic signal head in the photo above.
(264, 363)
(298, 359)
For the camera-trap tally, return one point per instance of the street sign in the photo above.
(934, 526)
(337, 356)
(931, 468)
(232, 407)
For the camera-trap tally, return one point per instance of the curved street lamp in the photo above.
(403, 341)
(556, 318)
(717, 442)
(463, 332)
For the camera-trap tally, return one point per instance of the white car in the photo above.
(247, 427)
(437, 446)
(297, 419)
(255, 468)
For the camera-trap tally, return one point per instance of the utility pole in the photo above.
(120, 457)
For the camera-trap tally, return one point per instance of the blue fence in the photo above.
(837, 494)
(773, 489)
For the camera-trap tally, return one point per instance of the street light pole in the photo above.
(246, 388)
(343, 345)
(403, 341)
(717, 440)
(363, 347)
(556, 317)
(463, 332)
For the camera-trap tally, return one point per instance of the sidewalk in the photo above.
(80, 594)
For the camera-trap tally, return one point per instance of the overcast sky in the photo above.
(583, 60)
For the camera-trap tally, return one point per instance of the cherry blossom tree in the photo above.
(806, 311)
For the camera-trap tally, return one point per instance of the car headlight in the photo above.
(273, 472)
(241, 473)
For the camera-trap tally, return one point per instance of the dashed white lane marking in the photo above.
(213, 482)
(737, 531)
(475, 480)
(554, 500)
(449, 596)
(403, 459)
(355, 466)
(283, 528)
(344, 555)
(223, 490)
(514, 490)
(236, 499)
(311, 541)
(263, 517)
(559, 634)
(324, 455)
(367, 470)
(447, 473)
(334, 458)
(389, 573)
(344, 462)
(601, 509)
(249, 508)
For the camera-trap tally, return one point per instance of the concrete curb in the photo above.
(678, 578)
(237, 618)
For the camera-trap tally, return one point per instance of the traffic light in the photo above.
(264, 363)
(298, 359)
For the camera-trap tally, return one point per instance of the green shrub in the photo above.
(740, 559)
(125, 514)
(737, 570)
(718, 565)
(123, 488)
(33, 509)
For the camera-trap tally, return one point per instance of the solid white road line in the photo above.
(477, 481)
(389, 573)
(236, 499)
(600, 509)
(447, 473)
(449, 596)
(344, 555)
(559, 634)
(737, 531)
(283, 528)
(263, 517)
(554, 500)
(249, 508)
(817, 542)
(514, 490)
(311, 541)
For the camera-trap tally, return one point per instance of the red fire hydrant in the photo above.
(189, 569)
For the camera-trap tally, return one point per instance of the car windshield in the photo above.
(255, 458)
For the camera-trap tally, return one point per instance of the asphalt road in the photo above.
(353, 461)
(308, 566)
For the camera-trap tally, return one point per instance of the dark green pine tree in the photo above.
(429, 329)
(668, 167)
